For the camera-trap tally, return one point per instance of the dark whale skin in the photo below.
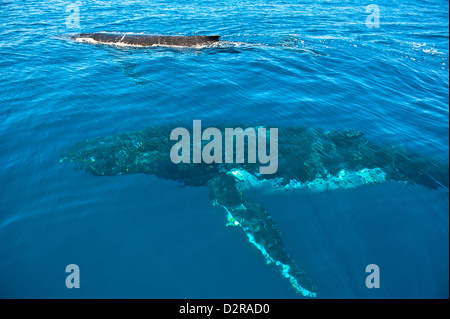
(149, 40)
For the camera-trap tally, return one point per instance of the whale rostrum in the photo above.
(146, 40)
(310, 159)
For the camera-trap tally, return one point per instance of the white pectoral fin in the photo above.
(260, 229)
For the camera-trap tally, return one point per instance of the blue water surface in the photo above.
(281, 63)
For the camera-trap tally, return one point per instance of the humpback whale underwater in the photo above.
(146, 40)
(309, 159)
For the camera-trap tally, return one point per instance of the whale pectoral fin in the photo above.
(260, 230)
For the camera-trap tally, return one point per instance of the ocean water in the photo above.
(280, 63)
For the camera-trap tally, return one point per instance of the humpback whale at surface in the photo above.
(146, 40)
(309, 159)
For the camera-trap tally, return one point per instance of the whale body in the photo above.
(309, 159)
(146, 40)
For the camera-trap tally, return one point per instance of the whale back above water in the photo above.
(146, 40)
(310, 159)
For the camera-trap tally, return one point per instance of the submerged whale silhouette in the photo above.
(146, 40)
(310, 159)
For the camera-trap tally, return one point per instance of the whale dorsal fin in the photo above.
(213, 37)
